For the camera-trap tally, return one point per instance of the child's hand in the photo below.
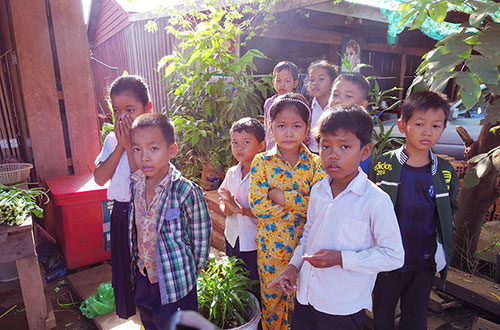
(277, 196)
(230, 201)
(324, 258)
(122, 131)
(286, 280)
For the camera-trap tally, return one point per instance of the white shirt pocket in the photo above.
(354, 234)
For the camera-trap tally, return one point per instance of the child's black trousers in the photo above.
(120, 261)
(305, 317)
(413, 288)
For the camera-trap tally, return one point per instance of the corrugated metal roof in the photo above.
(144, 50)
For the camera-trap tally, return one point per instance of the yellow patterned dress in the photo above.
(279, 228)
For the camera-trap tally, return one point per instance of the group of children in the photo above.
(338, 235)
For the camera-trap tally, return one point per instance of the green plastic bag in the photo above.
(101, 303)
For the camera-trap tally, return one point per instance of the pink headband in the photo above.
(290, 99)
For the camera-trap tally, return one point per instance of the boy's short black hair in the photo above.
(425, 101)
(358, 80)
(291, 99)
(350, 118)
(250, 126)
(161, 121)
(286, 65)
(329, 68)
(131, 84)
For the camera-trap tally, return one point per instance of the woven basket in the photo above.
(14, 172)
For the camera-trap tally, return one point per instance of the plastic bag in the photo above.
(101, 303)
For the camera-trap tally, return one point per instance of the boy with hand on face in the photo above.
(351, 232)
(423, 189)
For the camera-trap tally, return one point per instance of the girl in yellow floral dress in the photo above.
(280, 181)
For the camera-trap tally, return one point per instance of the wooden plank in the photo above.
(435, 302)
(33, 294)
(402, 76)
(282, 6)
(12, 74)
(304, 34)
(386, 48)
(11, 122)
(435, 322)
(333, 54)
(36, 70)
(218, 220)
(472, 289)
(16, 242)
(85, 284)
(105, 35)
(349, 9)
(50, 321)
(76, 79)
(482, 324)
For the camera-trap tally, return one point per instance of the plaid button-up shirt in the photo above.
(184, 229)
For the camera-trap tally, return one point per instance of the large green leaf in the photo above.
(492, 113)
(489, 42)
(484, 67)
(440, 83)
(438, 11)
(470, 179)
(444, 64)
(470, 89)
(163, 61)
(421, 17)
(482, 9)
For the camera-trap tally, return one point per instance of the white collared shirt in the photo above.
(361, 223)
(317, 111)
(119, 185)
(238, 225)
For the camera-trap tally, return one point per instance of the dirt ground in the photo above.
(64, 302)
(68, 316)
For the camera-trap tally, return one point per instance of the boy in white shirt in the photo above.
(351, 232)
(247, 139)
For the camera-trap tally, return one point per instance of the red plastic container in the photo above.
(80, 203)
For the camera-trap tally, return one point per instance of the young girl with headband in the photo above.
(280, 182)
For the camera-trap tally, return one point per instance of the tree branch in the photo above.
(464, 135)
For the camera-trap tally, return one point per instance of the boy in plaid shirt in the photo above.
(169, 225)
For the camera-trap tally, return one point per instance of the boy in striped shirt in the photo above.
(169, 225)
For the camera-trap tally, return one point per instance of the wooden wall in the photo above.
(112, 19)
(38, 85)
(73, 57)
(56, 88)
(113, 52)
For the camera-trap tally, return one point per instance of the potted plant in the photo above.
(224, 296)
(210, 86)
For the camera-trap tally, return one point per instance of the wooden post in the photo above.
(77, 85)
(333, 56)
(32, 289)
(402, 76)
(36, 70)
(497, 269)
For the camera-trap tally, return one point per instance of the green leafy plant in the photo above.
(16, 204)
(382, 140)
(350, 67)
(209, 84)
(224, 296)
